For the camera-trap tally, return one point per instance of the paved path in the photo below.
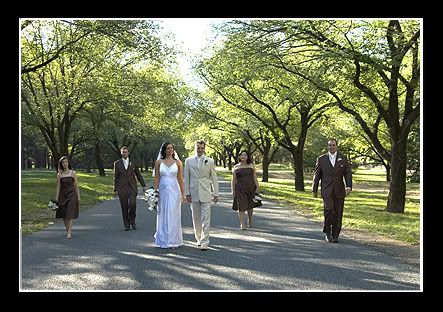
(282, 252)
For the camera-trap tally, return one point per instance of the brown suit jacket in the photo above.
(125, 179)
(332, 177)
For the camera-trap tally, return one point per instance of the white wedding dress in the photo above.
(169, 226)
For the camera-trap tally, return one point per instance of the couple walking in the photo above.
(199, 180)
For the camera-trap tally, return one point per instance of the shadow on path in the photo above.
(282, 251)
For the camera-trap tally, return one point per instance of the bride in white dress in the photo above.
(168, 180)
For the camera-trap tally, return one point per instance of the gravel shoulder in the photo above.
(403, 252)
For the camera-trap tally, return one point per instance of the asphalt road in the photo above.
(282, 252)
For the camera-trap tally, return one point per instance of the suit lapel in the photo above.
(201, 169)
(328, 161)
(196, 165)
(128, 165)
(337, 157)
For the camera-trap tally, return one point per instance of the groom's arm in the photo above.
(116, 178)
(214, 179)
(140, 178)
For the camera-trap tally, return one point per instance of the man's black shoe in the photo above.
(335, 240)
(134, 227)
(328, 238)
(127, 229)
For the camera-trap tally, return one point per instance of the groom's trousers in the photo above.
(201, 219)
(128, 202)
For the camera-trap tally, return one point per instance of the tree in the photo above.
(280, 101)
(392, 53)
(375, 62)
(62, 59)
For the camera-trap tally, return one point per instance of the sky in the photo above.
(192, 36)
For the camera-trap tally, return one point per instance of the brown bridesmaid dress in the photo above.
(67, 200)
(244, 189)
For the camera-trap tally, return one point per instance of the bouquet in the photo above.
(52, 205)
(151, 198)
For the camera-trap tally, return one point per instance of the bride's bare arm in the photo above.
(157, 174)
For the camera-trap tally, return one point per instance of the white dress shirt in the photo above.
(332, 158)
(199, 161)
(126, 163)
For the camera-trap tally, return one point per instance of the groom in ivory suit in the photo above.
(200, 180)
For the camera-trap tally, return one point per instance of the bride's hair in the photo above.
(163, 150)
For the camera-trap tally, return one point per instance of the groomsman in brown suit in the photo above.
(126, 187)
(331, 168)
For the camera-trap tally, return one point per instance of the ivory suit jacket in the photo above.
(200, 183)
(332, 177)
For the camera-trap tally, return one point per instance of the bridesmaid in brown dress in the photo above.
(244, 185)
(68, 194)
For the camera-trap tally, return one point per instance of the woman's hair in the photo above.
(249, 160)
(60, 168)
(163, 151)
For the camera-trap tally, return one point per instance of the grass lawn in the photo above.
(39, 186)
(364, 207)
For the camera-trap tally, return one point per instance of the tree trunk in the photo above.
(42, 156)
(230, 152)
(24, 159)
(99, 160)
(397, 185)
(230, 163)
(89, 164)
(265, 174)
(388, 173)
(265, 164)
(298, 164)
(53, 161)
